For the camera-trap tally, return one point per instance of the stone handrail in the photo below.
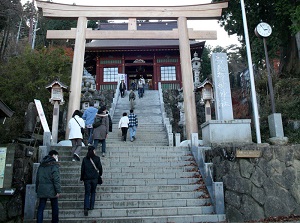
(215, 189)
(114, 103)
(166, 120)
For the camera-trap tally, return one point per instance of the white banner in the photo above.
(41, 113)
(124, 78)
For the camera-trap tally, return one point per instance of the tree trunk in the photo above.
(290, 62)
(4, 42)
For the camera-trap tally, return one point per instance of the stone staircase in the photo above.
(144, 181)
(150, 129)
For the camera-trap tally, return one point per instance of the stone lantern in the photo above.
(207, 96)
(57, 98)
(196, 65)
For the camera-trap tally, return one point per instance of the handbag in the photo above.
(81, 128)
(99, 177)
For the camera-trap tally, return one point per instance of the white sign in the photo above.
(41, 113)
(122, 77)
(2, 165)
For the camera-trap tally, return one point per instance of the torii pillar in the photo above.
(187, 78)
(77, 69)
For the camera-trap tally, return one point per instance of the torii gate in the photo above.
(179, 13)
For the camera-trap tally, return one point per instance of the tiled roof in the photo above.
(134, 44)
(137, 43)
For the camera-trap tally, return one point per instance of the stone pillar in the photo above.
(187, 78)
(207, 110)
(55, 122)
(177, 139)
(30, 202)
(220, 74)
(77, 69)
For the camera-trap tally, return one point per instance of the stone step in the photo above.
(131, 189)
(152, 156)
(133, 212)
(130, 152)
(134, 149)
(142, 127)
(135, 181)
(149, 219)
(108, 163)
(135, 169)
(107, 196)
(145, 136)
(135, 175)
(137, 142)
(132, 159)
(136, 203)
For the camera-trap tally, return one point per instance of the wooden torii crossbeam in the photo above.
(131, 13)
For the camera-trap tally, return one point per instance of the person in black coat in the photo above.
(122, 88)
(48, 185)
(89, 175)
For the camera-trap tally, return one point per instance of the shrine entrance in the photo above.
(131, 13)
(135, 71)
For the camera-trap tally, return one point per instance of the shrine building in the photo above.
(157, 60)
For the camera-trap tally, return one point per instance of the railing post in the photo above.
(30, 202)
(177, 139)
(218, 193)
(171, 140)
(43, 151)
(194, 140)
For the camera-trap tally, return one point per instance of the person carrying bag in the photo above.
(91, 173)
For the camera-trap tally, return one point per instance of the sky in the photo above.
(223, 39)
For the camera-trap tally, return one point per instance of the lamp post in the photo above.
(207, 96)
(57, 99)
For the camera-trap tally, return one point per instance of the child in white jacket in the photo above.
(123, 125)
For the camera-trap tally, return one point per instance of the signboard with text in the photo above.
(248, 153)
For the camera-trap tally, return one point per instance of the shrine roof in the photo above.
(105, 45)
(138, 44)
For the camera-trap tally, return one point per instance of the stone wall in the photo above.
(11, 207)
(258, 188)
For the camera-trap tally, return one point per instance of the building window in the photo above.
(168, 73)
(167, 60)
(110, 74)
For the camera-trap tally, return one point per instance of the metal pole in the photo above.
(253, 92)
(269, 78)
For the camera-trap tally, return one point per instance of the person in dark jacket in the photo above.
(101, 129)
(48, 185)
(89, 175)
(122, 88)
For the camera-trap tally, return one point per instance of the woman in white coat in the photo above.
(75, 124)
(123, 125)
